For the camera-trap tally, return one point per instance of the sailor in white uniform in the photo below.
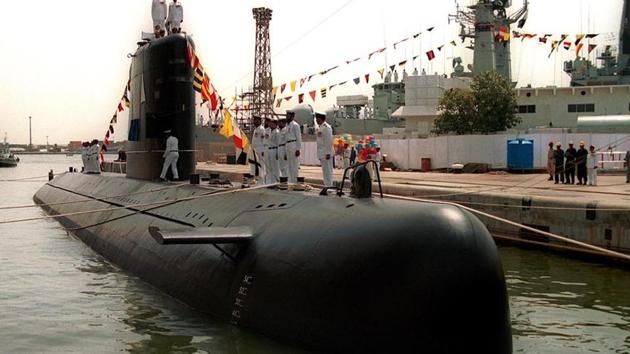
(158, 12)
(294, 144)
(93, 166)
(282, 147)
(175, 17)
(266, 153)
(84, 155)
(325, 152)
(171, 154)
(274, 164)
(256, 164)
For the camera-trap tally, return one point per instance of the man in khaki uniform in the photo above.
(551, 162)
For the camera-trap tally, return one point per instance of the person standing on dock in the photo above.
(171, 154)
(569, 165)
(325, 151)
(175, 17)
(627, 166)
(282, 147)
(580, 161)
(256, 160)
(294, 145)
(551, 162)
(591, 165)
(353, 156)
(346, 156)
(158, 12)
(558, 156)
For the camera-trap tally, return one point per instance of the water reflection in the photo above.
(567, 305)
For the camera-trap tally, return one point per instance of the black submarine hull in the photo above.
(332, 273)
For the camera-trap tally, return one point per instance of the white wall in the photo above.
(490, 149)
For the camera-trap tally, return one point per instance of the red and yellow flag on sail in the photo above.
(231, 130)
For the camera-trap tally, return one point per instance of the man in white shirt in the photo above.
(274, 166)
(294, 145)
(282, 147)
(592, 161)
(171, 154)
(158, 12)
(266, 152)
(325, 152)
(175, 17)
(257, 166)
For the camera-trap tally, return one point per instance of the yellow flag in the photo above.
(227, 130)
(293, 83)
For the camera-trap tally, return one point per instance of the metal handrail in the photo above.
(345, 173)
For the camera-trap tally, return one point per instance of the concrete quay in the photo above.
(598, 215)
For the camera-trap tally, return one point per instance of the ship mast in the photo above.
(485, 21)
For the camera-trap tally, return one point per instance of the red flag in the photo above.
(567, 45)
(288, 98)
(120, 107)
(431, 55)
(591, 47)
(367, 78)
(313, 94)
(301, 98)
(542, 39)
(282, 87)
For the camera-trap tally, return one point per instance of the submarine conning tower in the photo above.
(162, 98)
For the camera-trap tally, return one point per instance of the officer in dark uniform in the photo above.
(569, 165)
(580, 162)
(558, 155)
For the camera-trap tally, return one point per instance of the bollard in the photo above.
(194, 178)
(70, 169)
(51, 175)
(283, 183)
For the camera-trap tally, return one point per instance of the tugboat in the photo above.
(330, 271)
(7, 159)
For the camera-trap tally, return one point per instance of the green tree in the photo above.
(489, 106)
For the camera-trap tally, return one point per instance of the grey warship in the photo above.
(330, 272)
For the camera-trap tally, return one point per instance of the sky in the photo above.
(65, 62)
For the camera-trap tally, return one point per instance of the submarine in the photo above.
(330, 272)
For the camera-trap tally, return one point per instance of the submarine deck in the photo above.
(591, 214)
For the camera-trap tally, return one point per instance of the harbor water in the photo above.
(56, 295)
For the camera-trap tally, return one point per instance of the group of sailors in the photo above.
(276, 146)
(90, 157)
(164, 21)
(562, 165)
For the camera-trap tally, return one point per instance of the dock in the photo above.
(596, 215)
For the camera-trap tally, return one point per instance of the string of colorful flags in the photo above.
(503, 35)
(124, 102)
(203, 85)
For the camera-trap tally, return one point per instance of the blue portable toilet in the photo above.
(520, 154)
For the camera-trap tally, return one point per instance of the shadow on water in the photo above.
(566, 305)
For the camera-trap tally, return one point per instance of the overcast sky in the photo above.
(65, 62)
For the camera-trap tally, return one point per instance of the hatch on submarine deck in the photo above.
(331, 272)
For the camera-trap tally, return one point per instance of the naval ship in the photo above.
(324, 269)
(7, 159)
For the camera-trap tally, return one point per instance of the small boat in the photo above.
(7, 159)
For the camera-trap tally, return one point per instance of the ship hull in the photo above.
(332, 273)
